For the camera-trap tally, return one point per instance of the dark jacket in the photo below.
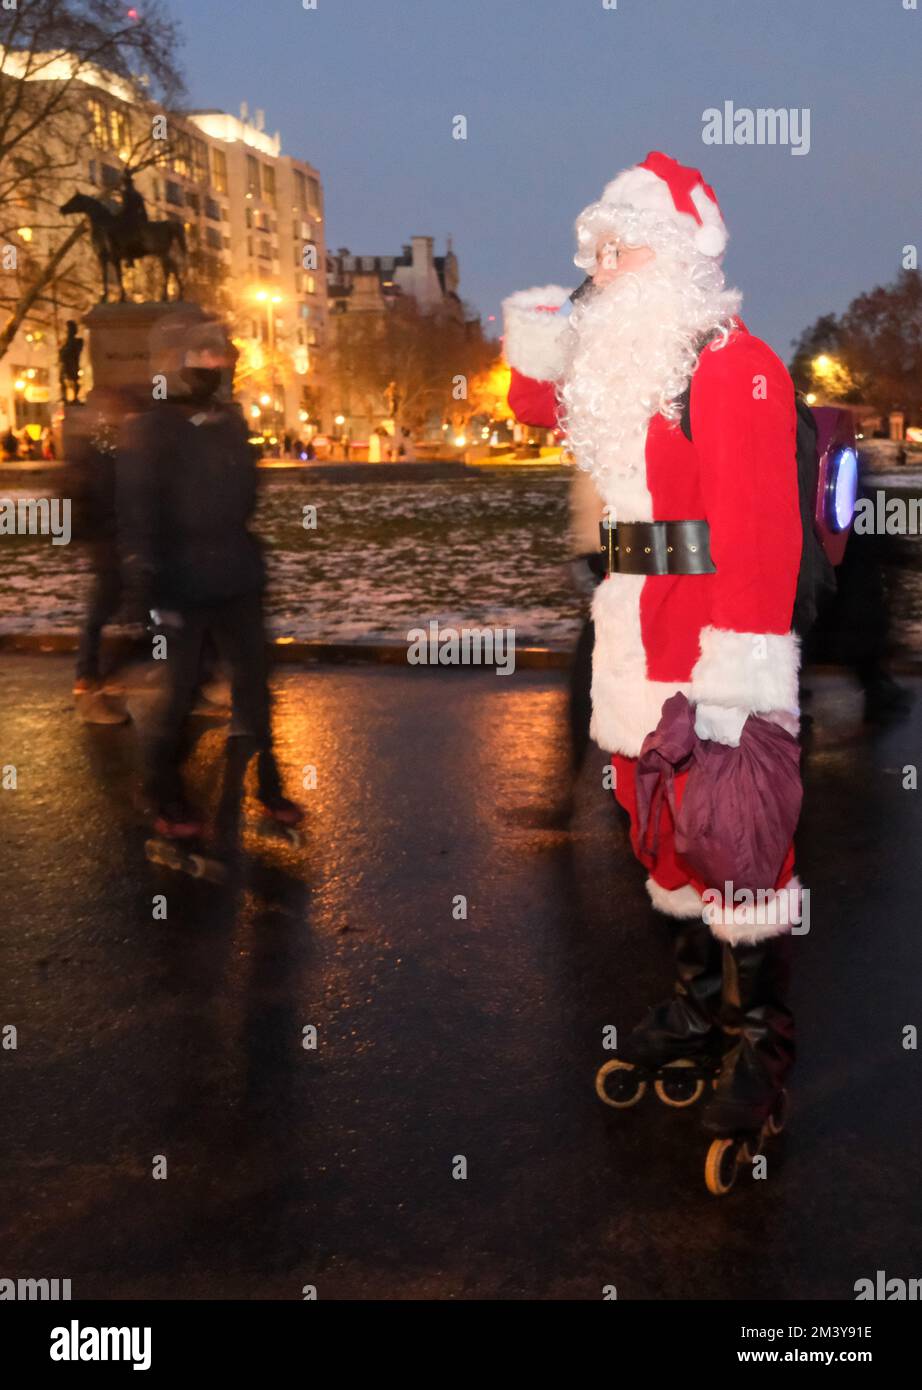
(185, 495)
(92, 489)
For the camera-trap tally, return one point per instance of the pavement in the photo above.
(441, 1037)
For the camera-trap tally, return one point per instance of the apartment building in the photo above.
(254, 226)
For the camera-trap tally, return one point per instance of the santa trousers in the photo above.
(672, 885)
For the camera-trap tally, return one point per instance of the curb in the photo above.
(283, 651)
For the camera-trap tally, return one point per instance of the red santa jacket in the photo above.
(722, 638)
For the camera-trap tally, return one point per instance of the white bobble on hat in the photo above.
(711, 241)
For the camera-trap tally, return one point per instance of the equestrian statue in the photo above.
(120, 238)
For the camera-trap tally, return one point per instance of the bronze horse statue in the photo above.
(114, 243)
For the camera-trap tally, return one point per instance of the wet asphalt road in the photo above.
(437, 1037)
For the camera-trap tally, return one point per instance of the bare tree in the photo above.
(871, 353)
(414, 367)
(54, 55)
(881, 343)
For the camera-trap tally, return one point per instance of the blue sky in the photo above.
(559, 95)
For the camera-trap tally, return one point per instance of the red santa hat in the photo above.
(674, 193)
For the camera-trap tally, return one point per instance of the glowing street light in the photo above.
(270, 299)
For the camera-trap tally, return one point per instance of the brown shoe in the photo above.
(96, 707)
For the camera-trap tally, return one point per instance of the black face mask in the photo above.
(202, 382)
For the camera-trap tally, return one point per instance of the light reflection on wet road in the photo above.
(438, 1036)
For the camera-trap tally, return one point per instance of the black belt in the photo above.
(657, 547)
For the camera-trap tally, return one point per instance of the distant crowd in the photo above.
(22, 445)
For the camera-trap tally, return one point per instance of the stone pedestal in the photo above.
(120, 340)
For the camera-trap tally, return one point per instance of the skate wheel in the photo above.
(721, 1166)
(165, 855)
(626, 1087)
(676, 1089)
(779, 1115)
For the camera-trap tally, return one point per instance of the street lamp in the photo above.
(270, 300)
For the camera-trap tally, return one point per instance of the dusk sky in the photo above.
(559, 95)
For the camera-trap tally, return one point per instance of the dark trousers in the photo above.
(236, 627)
(579, 707)
(104, 602)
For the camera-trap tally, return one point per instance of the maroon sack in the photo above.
(665, 752)
(740, 806)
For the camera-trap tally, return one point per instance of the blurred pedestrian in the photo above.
(853, 628)
(91, 445)
(186, 491)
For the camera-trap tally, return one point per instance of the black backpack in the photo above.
(816, 578)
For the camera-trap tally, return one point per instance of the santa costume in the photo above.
(702, 540)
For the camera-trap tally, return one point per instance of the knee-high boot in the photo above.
(759, 1031)
(686, 1025)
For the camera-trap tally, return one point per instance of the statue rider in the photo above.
(133, 216)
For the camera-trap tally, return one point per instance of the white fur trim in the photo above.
(720, 723)
(773, 915)
(647, 192)
(675, 902)
(644, 190)
(533, 338)
(626, 704)
(755, 671)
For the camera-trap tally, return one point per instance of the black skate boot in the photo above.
(178, 844)
(282, 818)
(678, 1043)
(749, 1101)
(177, 821)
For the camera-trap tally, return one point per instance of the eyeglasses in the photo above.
(607, 255)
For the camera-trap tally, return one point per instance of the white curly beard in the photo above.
(631, 350)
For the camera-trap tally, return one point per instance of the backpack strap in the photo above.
(685, 420)
(685, 399)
